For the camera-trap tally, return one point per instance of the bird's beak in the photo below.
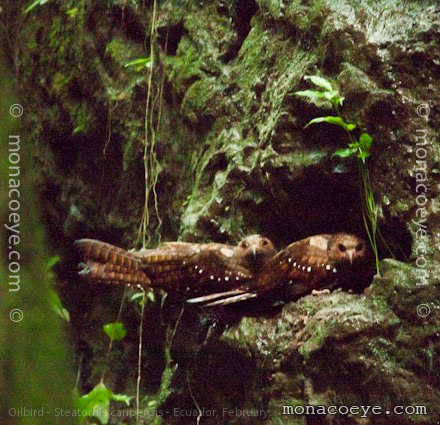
(350, 257)
(254, 251)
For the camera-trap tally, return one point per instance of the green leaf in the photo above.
(115, 331)
(319, 81)
(329, 95)
(34, 4)
(97, 402)
(344, 153)
(332, 120)
(312, 94)
(139, 63)
(363, 155)
(139, 297)
(338, 100)
(52, 261)
(57, 306)
(365, 141)
(151, 296)
(72, 12)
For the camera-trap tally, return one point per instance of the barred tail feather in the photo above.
(102, 252)
(112, 274)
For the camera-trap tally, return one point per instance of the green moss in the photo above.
(82, 119)
(60, 82)
(344, 315)
(202, 100)
(250, 68)
(122, 51)
(185, 67)
(306, 18)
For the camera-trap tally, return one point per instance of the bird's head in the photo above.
(346, 248)
(255, 250)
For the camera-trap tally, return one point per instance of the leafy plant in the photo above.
(360, 147)
(115, 331)
(320, 97)
(139, 297)
(96, 403)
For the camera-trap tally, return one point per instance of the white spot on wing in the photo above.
(309, 269)
(334, 270)
(227, 252)
(319, 241)
(327, 267)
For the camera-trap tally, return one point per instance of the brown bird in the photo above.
(177, 267)
(317, 262)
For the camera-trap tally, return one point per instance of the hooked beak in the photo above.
(254, 251)
(350, 256)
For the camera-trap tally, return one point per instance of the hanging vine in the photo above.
(151, 127)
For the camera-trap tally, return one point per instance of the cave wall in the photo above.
(234, 159)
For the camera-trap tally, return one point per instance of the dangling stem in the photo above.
(110, 345)
(139, 369)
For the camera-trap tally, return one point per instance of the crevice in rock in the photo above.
(170, 36)
(243, 11)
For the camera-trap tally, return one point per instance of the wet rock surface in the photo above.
(234, 159)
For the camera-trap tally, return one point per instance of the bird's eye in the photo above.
(342, 248)
(359, 247)
(244, 245)
(264, 242)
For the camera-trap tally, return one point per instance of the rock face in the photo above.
(231, 157)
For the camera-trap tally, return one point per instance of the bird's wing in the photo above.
(301, 265)
(197, 269)
(305, 262)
